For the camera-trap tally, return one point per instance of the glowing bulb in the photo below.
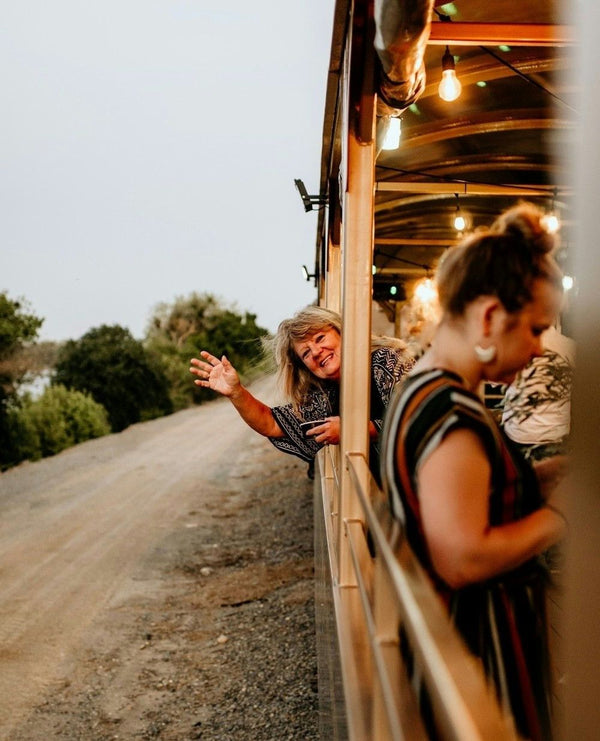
(449, 88)
(425, 291)
(551, 223)
(459, 222)
(567, 282)
(391, 140)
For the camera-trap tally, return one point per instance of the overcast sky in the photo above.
(149, 150)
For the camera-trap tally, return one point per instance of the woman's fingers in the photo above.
(217, 374)
(320, 432)
(210, 359)
(327, 433)
(203, 368)
(207, 364)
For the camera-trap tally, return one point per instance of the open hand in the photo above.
(215, 374)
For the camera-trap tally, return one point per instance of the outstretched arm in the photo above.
(222, 377)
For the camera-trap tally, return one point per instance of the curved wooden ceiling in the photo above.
(506, 138)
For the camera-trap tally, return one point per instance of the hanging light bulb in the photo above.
(391, 140)
(568, 282)
(426, 291)
(459, 219)
(449, 88)
(551, 223)
(425, 301)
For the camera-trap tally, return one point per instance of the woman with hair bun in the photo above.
(474, 511)
(307, 350)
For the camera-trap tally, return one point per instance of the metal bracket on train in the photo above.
(308, 200)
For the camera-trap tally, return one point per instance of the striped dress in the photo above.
(503, 619)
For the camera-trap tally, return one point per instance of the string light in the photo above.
(551, 223)
(459, 219)
(449, 88)
(426, 291)
(551, 220)
(391, 139)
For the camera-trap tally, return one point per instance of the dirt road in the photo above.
(158, 584)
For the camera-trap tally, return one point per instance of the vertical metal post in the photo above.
(334, 278)
(333, 300)
(357, 258)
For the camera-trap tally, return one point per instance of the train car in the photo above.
(438, 116)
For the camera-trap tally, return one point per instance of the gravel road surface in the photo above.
(158, 583)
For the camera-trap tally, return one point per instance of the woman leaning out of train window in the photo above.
(307, 350)
(476, 514)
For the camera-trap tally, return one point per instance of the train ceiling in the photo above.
(508, 136)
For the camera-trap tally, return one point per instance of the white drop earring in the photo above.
(485, 354)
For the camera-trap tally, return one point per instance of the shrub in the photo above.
(22, 441)
(57, 420)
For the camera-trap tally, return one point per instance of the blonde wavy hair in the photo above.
(295, 380)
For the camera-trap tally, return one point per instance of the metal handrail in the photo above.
(464, 705)
(389, 681)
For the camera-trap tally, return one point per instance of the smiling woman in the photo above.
(320, 353)
(307, 350)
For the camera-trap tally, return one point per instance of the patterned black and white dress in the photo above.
(388, 366)
(503, 619)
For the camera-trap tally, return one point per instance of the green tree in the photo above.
(119, 373)
(17, 328)
(178, 331)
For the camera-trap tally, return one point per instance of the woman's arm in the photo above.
(454, 485)
(222, 377)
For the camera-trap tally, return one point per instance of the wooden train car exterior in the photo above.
(386, 216)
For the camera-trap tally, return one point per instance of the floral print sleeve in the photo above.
(320, 404)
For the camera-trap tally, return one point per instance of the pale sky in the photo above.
(149, 149)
